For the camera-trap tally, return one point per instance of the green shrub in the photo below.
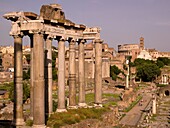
(161, 85)
(55, 104)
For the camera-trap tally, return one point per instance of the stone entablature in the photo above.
(55, 25)
(91, 33)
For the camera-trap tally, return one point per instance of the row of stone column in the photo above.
(81, 74)
(36, 81)
(38, 89)
(164, 79)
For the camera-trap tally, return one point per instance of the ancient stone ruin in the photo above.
(50, 25)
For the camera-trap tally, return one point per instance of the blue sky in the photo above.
(121, 21)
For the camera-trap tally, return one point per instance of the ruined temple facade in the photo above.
(42, 29)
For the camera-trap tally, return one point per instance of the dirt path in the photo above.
(133, 116)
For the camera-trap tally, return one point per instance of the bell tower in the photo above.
(141, 45)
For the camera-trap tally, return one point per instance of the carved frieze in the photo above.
(91, 33)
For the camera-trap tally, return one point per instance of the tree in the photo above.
(26, 75)
(114, 71)
(148, 72)
(54, 70)
(164, 60)
(140, 61)
(26, 91)
(160, 64)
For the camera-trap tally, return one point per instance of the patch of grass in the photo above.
(133, 104)
(5, 87)
(153, 117)
(89, 98)
(74, 116)
(110, 104)
(116, 126)
(161, 85)
(29, 122)
(55, 96)
(106, 95)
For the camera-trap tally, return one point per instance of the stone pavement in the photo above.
(134, 115)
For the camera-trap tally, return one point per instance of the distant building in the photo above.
(7, 60)
(132, 50)
(6, 76)
(156, 54)
(144, 55)
(7, 49)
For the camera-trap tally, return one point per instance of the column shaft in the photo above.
(154, 105)
(72, 74)
(127, 75)
(18, 85)
(38, 57)
(31, 77)
(98, 72)
(61, 75)
(48, 75)
(81, 74)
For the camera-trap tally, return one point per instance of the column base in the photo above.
(31, 117)
(126, 88)
(61, 110)
(97, 105)
(18, 122)
(72, 107)
(82, 105)
(39, 126)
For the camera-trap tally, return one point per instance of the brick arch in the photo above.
(165, 91)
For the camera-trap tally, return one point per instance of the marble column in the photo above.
(48, 75)
(98, 72)
(154, 105)
(81, 74)
(61, 75)
(127, 75)
(165, 79)
(162, 79)
(72, 74)
(31, 76)
(38, 57)
(18, 79)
